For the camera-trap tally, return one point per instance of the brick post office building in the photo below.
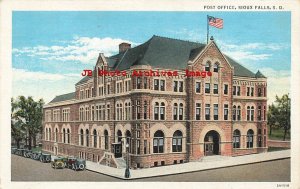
(160, 120)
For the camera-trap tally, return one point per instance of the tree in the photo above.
(280, 114)
(17, 129)
(28, 115)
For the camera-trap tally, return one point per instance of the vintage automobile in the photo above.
(45, 158)
(27, 153)
(20, 152)
(36, 155)
(58, 163)
(80, 164)
(71, 161)
(14, 150)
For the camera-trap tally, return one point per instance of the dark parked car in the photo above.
(20, 152)
(45, 158)
(80, 164)
(14, 150)
(36, 155)
(27, 153)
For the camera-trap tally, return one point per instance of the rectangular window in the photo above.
(145, 146)
(145, 83)
(248, 91)
(215, 88)
(138, 83)
(226, 111)
(238, 91)
(207, 111)
(162, 85)
(252, 91)
(175, 86)
(207, 88)
(259, 92)
(156, 109)
(198, 87)
(138, 110)
(259, 113)
(216, 111)
(156, 84)
(108, 89)
(180, 86)
(225, 89)
(138, 146)
(145, 109)
(198, 111)
(234, 90)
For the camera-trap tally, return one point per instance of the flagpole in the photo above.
(207, 30)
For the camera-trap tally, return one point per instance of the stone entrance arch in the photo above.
(212, 142)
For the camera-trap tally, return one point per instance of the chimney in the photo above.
(124, 46)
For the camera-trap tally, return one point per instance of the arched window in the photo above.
(234, 113)
(236, 138)
(216, 67)
(81, 137)
(46, 134)
(239, 113)
(207, 66)
(68, 135)
(118, 112)
(158, 142)
(64, 135)
(156, 111)
(105, 139)
(95, 138)
(175, 110)
(87, 137)
(259, 113)
(56, 135)
(145, 109)
(50, 134)
(128, 140)
(248, 113)
(177, 141)
(180, 111)
(162, 111)
(252, 113)
(119, 136)
(126, 111)
(250, 138)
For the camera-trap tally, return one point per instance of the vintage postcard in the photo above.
(170, 94)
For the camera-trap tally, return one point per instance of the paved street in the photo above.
(24, 169)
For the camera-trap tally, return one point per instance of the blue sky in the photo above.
(50, 49)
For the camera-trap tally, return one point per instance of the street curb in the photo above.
(207, 169)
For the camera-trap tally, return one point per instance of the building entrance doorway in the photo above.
(117, 149)
(212, 143)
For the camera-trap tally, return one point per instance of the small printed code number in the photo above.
(283, 185)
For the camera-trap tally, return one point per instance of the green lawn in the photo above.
(277, 134)
(272, 149)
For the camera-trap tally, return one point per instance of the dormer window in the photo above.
(207, 66)
(216, 67)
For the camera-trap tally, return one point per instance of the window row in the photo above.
(65, 135)
(236, 139)
(57, 116)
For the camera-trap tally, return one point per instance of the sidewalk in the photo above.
(189, 167)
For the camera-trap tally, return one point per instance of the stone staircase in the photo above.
(121, 163)
(213, 158)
